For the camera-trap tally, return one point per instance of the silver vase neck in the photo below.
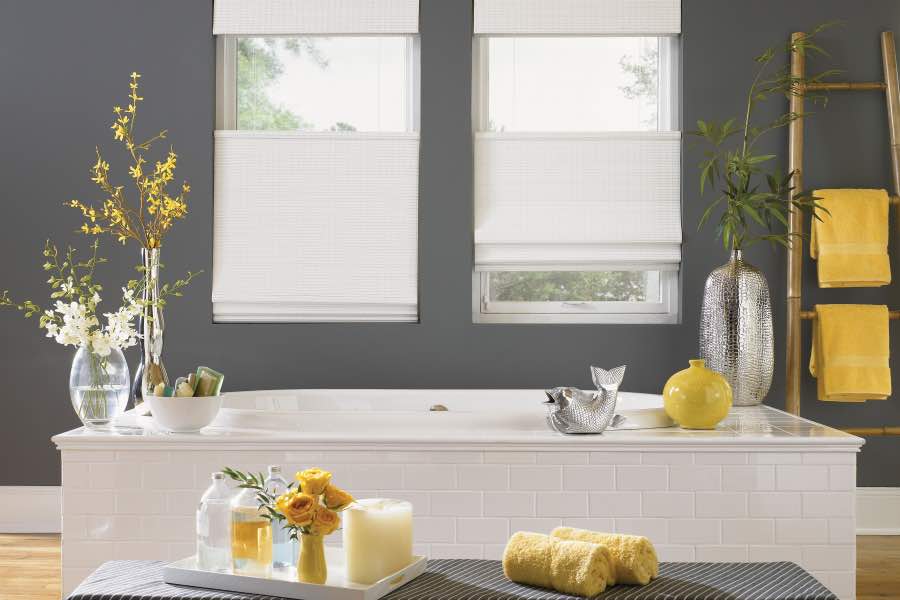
(737, 255)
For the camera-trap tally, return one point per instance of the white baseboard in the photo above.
(878, 511)
(37, 509)
(30, 509)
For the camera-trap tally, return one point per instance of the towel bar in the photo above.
(809, 315)
(891, 89)
(871, 431)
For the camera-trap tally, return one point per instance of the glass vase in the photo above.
(98, 386)
(151, 325)
(311, 565)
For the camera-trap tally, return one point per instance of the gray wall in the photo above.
(64, 64)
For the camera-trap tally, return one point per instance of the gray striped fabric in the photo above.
(484, 580)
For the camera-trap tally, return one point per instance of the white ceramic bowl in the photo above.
(184, 415)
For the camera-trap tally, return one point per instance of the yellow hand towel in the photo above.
(570, 567)
(850, 354)
(850, 242)
(634, 557)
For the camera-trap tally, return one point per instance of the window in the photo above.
(577, 162)
(316, 161)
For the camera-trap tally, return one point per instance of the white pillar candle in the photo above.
(377, 538)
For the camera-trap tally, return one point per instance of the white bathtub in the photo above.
(471, 413)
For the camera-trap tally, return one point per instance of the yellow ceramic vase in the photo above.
(697, 397)
(311, 566)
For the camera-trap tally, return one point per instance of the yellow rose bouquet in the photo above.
(309, 509)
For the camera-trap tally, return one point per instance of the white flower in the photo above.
(100, 343)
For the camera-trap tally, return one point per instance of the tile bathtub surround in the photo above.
(765, 486)
(744, 506)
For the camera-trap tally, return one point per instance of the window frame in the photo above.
(667, 310)
(226, 81)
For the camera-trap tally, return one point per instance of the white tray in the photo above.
(284, 583)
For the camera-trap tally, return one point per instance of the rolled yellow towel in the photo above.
(567, 566)
(633, 556)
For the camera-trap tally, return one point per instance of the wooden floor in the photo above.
(29, 567)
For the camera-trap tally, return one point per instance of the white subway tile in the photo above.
(593, 477)
(304, 460)
(737, 478)
(829, 558)
(182, 550)
(801, 477)
(615, 504)
(435, 529)
(141, 456)
(841, 531)
(842, 477)
(721, 553)
(421, 549)
(655, 529)
(748, 531)
(562, 504)
(456, 551)
(536, 524)
(510, 458)
(109, 527)
(456, 504)
(76, 502)
(482, 531)
(562, 458)
(843, 584)
(720, 458)
(75, 526)
(641, 477)
(615, 458)
(141, 503)
(591, 523)
(668, 504)
(667, 458)
(164, 476)
(720, 504)
(73, 576)
(459, 458)
(493, 551)
(775, 504)
(182, 502)
(92, 456)
(86, 554)
(375, 477)
(75, 475)
(421, 501)
(801, 531)
(484, 477)
(168, 529)
(140, 550)
(695, 531)
(829, 458)
(509, 504)
(695, 478)
(772, 553)
(539, 477)
(776, 458)
(829, 504)
(671, 553)
(430, 477)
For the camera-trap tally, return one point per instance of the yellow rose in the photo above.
(336, 498)
(325, 522)
(298, 508)
(313, 481)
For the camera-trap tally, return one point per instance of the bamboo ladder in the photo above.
(795, 314)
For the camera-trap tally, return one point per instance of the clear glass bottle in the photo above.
(284, 549)
(251, 537)
(214, 526)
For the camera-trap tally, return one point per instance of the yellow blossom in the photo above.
(313, 480)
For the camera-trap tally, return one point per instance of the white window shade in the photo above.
(315, 226)
(578, 17)
(604, 201)
(286, 17)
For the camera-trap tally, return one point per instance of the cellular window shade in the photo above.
(578, 17)
(298, 17)
(606, 201)
(315, 226)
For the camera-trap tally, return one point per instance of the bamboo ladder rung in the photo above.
(830, 86)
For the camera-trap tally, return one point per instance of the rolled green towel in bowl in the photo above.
(633, 556)
(567, 566)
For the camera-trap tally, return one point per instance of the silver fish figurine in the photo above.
(570, 410)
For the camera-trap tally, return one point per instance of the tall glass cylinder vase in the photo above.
(98, 386)
(151, 325)
(736, 337)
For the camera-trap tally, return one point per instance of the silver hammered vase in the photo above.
(736, 337)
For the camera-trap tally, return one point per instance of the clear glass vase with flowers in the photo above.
(308, 509)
